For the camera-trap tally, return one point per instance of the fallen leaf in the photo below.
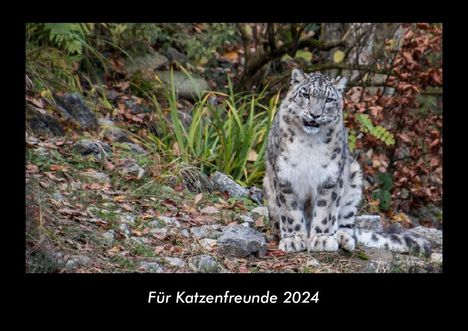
(197, 199)
(119, 198)
(44, 184)
(338, 56)
(209, 210)
(127, 207)
(252, 155)
(32, 168)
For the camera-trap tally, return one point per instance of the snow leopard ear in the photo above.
(297, 76)
(340, 83)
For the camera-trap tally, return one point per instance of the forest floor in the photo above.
(99, 213)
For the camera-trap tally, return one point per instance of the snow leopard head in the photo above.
(316, 101)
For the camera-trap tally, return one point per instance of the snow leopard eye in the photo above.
(305, 95)
(328, 100)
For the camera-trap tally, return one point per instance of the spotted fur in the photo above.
(312, 184)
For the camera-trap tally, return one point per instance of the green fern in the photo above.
(377, 131)
(69, 36)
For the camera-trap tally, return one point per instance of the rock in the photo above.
(96, 148)
(152, 267)
(206, 231)
(125, 229)
(42, 124)
(436, 257)
(312, 262)
(240, 241)
(195, 181)
(174, 262)
(97, 175)
(73, 107)
(128, 219)
(150, 61)
(132, 168)
(139, 240)
(369, 222)
(113, 133)
(245, 219)
(136, 108)
(245, 225)
(187, 88)
(160, 233)
(176, 56)
(208, 244)
(204, 264)
(434, 236)
(256, 194)
(58, 196)
(134, 148)
(163, 221)
(112, 96)
(169, 221)
(223, 183)
(260, 211)
(109, 235)
(184, 233)
(77, 261)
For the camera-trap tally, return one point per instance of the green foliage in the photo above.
(230, 137)
(377, 131)
(385, 182)
(68, 36)
(352, 141)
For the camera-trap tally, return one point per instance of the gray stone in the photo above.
(125, 229)
(132, 168)
(96, 148)
(256, 194)
(169, 221)
(97, 175)
(139, 240)
(151, 267)
(73, 107)
(136, 108)
(204, 264)
(245, 219)
(187, 88)
(109, 235)
(240, 241)
(174, 262)
(77, 261)
(175, 55)
(436, 257)
(112, 132)
(150, 61)
(134, 148)
(260, 211)
(223, 183)
(184, 233)
(42, 124)
(206, 231)
(128, 219)
(57, 196)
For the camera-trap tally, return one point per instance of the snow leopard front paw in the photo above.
(292, 244)
(345, 241)
(322, 243)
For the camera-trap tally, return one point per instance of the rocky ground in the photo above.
(98, 207)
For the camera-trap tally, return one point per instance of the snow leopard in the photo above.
(313, 185)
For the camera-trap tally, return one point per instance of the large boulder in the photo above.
(223, 183)
(151, 61)
(241, 241)
(187, 88)
(72, 107)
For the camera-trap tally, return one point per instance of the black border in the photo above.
(404, 292)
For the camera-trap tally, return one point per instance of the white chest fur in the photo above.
(307, 165)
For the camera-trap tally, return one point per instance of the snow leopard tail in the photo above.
(403, 242)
